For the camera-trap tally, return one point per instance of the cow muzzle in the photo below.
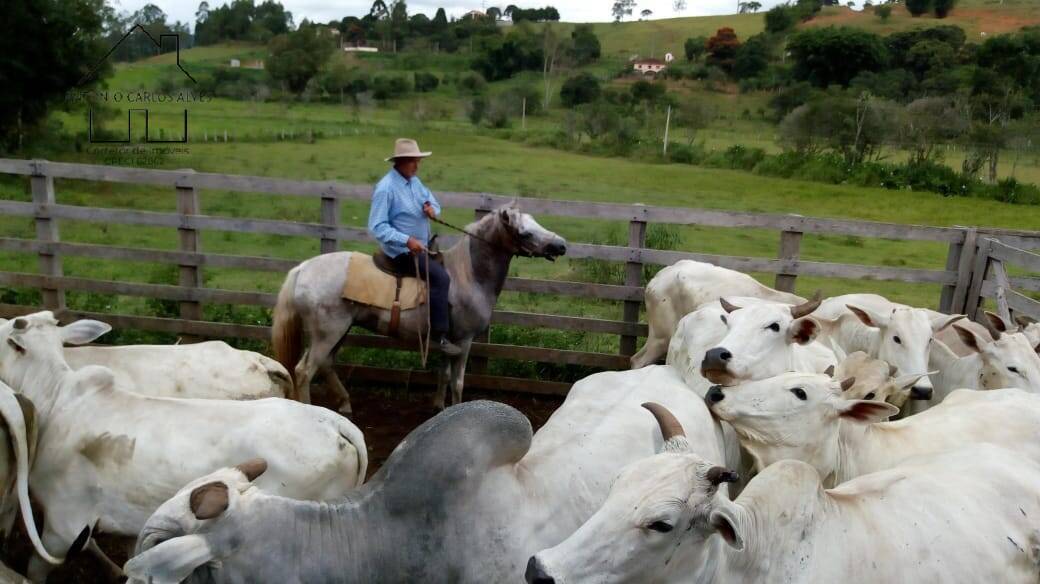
(715, 366)
(714, 395)
(536, 574)
(922, 393)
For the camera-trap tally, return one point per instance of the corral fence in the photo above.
(973, 252)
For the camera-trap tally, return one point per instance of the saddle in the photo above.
(373, 281)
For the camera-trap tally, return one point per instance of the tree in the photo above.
(752, 57)
(296, 57)
(694, 47)
(440, 20)
(942, 8)
(854, 128)
(645, 13)
(722, 48)
(754, 6)
(883, 12)
(48, 48)
(622, 8)
(929, 57)
(585, 46)
(552, 47)
(813, 52)
(929, 122)
(579, 89)
(780, 19)
(918, 7)
(678, 6)
(493, 13)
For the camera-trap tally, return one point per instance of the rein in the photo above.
(479, 238)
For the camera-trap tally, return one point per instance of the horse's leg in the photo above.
(320, 346)
(443, 374)
(458, 371)
(328, 371)
(303, 379)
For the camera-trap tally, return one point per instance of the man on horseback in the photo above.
(402, 207)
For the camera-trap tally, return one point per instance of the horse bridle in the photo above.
(519, 251)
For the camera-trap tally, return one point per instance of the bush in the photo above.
(752, 57)
(883, 12)
(694, 47)
(816, 54)
(425, 82)
(918, 7)
(780, 18)
(579, 89)
(387, 87)
(472, 84)
(736, 158)
(477, 109)
(1010, 190)
(942, 8)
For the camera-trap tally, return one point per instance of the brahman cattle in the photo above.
(207, 370)
(872, 380)
(685, 286)
(965, 516)
(898, 334)
(112, 455)
(467, 497)
(804, 417)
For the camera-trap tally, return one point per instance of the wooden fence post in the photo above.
(978, 275)
(190, 241)
(47, 231)
(960, 258)
(329, 218)
(633, 277)
(1000, 293)
(478, 365)
(790, 248)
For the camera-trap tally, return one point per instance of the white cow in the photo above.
(113, 455)
(872, 379)
(963, 516)
(898, 334)
(1030, 327)
(207, 370)
(804, 417)
(747, 331)
(1009, 361)
(684, 287)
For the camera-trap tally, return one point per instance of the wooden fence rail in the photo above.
(994, 257)
(970, 249)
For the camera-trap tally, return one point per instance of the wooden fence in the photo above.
(991, 280)
(967, 248)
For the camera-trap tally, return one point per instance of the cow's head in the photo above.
(875, 379)
(37, 339)
(759, 340)
(904, 339)
(656, 505)
(793, 416)
(1030, 327)
(1012, 360)
(184, 533)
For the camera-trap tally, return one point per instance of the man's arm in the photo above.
(433, 201)
(379, 220)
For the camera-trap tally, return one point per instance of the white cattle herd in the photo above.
(846, 439)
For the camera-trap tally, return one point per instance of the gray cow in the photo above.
(415, 521)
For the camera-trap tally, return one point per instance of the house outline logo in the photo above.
(129, 129)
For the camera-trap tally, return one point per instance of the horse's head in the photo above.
(526, 237)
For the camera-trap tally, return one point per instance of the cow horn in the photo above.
(727, 305)
(670, 427)
(848, 383)
(1024, 320)
(209, 500)
(253, 468)
(20, 323)
(808, 307)
(717, 475)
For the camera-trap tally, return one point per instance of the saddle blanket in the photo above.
(367, 284)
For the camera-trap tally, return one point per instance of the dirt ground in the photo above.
(385, 416)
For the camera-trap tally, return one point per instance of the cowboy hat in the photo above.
(407, 148)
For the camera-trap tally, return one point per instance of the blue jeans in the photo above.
(440, 281)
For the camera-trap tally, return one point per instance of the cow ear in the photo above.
(83, 331)
(171, 561)
(726, 525)
(867, 411)
(996, 324)
(209, 500)
(939, 322)
(969, 338)
(1022, 320)
(829, 371)
(804, 330)
(868, 317)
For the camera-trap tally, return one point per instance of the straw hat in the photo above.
(407, 148)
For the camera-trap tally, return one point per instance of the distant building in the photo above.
(651, 66)
(235, 63)
(361, 49)
(474, 14)
(253, 64)
(668, 57)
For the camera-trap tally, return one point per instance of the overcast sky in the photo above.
(570, 10)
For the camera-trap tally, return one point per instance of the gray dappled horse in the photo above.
(311, 304)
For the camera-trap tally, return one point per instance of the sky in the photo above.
(570, 10)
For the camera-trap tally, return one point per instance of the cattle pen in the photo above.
(980, 263)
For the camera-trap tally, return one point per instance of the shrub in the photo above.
(883, 12)
(477, 109)
(425, 82)
(579, 89)
(815, 53)
(472, 84)
(918, 7)
(780, 18)
(387, 87)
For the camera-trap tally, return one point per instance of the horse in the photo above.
(310, 302)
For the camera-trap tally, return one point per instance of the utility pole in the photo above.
(667, 122)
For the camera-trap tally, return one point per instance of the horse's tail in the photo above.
(286, 328)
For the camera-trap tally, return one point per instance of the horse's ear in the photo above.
(503, 214)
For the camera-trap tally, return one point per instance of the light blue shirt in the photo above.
(397, 213)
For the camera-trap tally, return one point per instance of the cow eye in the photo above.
(869, 396)
(1013, 369)
(799, 393)
(775, 327)
(723, 317)
(897, 340)
(660, 526)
